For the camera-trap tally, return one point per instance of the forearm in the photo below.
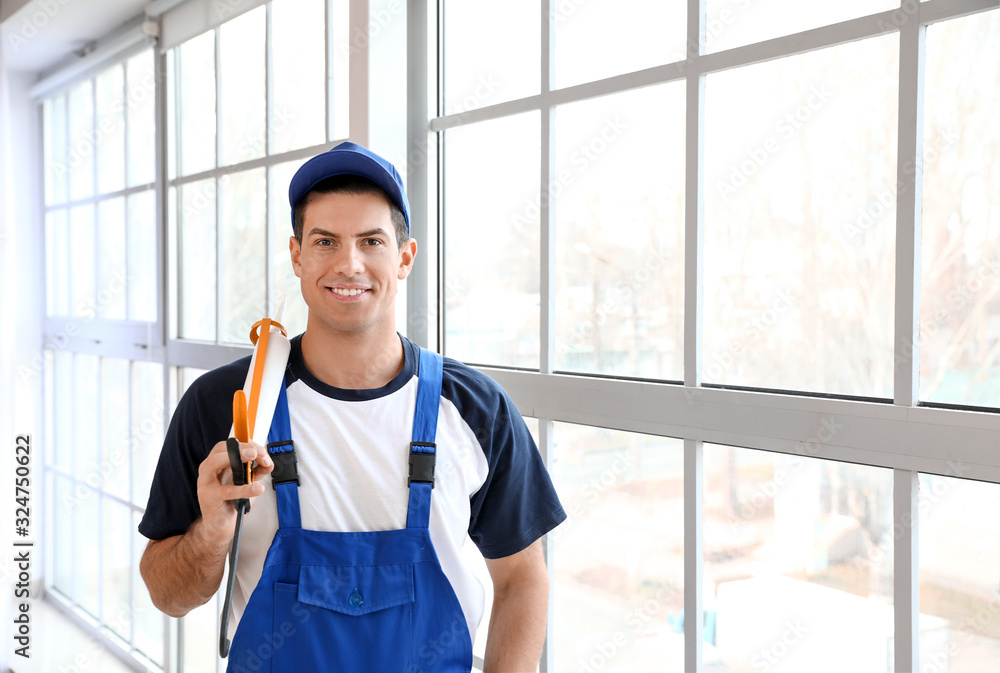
(517, 627)
(184, 571)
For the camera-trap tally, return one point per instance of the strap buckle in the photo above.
(422, 464)
(285, 464)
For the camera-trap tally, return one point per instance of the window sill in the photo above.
(58, 644)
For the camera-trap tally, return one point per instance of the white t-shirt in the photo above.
(352, 448)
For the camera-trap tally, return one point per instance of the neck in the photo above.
(353, 361)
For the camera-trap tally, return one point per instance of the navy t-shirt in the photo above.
(352, 448)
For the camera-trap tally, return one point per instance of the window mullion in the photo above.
(420, 293)
(694, 196)
(546, 446)
(906, 381)
(217, 186)
(694, 600)
(546, 209)
(909, 174)
(360, 70)
(547, 289)
(328, 68)
(906, 572)
(99, 494)
(270, 304)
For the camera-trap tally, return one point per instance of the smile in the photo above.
(346, 292)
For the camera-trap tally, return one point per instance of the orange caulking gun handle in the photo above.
(240, 428)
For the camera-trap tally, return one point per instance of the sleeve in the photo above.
(517, 504)
(203, 417)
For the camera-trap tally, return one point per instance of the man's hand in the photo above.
(216, 491)
(184, 571)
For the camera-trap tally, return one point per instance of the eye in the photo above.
(373, 241)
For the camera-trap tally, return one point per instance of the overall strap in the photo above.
(422, 448)
(285, 477)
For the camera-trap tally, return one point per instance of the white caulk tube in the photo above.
(275, 360)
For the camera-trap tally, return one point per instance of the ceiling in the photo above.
(38, 34)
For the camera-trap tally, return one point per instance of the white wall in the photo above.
(21, 307)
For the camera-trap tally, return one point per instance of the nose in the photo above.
(348, 261)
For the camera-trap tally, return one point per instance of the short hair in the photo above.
(350, 184)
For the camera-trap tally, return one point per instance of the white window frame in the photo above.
(152, 341)
(906, 436)
(131, 340)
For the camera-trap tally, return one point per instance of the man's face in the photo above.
(350, 264)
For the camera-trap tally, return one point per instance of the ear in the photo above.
(295, 251)
(406, 256)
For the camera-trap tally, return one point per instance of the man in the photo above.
(364, 557)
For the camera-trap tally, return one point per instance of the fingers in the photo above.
(216, 491)
(259, 454)
(232, 492)
(216, 465)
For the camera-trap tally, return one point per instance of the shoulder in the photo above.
(465, 386)
(205, 410)
(219, 384)
(487, 410)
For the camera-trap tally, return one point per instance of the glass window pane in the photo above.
(960, 286)
(241, 88)
(82, 241)
(733, 23)
(110, 136)
(111, 270)
(283, 278)
(62, 535)
(47, 369)
(147, 620)
(620, 234)
(492, 241)
(242, 262)
(338, 26)
(141, 112)
(798, 561)
(86, 418)
(201, 638)
(171, 130)
(117, 568)
(481, 66)
(800, 182)
(81, 140)
(616, 604)
(188, 376)
(87, 548)
(57, 290)
(172, 271)
(196, 91)
(142, 256)
(147, 426)
(63, 394)
(299, 52)
(56, 174)
(196, 247)
(959, 548)
(115, 427)
(625, 43)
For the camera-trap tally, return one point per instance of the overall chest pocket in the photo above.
(345, 618)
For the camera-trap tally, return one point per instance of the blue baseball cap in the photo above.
(349, 159)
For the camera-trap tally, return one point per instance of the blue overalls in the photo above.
(374, 602)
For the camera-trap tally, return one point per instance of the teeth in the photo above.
(346, 292)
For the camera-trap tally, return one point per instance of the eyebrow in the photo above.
(316, 231)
